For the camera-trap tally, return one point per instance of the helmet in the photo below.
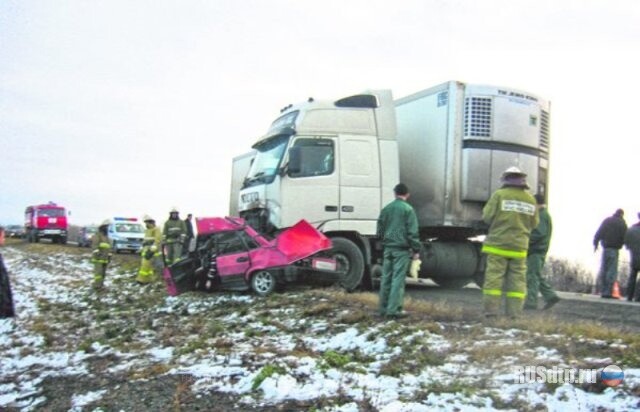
(514, 170)
(174, 210)
(515, 177)
(106, 222)
(147, 218)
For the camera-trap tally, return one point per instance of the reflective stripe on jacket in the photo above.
(511, 215)
(101, 248)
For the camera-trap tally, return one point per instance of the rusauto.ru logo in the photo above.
(611, 375)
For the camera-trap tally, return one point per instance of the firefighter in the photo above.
(174, 234)
(101, 255)
(511, 214)
(150, 251)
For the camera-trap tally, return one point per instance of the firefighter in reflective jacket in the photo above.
(174, 234)
(511, 214)
(150, 251)
(101, 254)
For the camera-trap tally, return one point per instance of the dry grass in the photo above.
(150, 372)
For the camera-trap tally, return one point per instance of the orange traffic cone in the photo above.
(615, 293)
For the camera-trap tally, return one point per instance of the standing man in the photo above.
(187, 241)
(398, 229)
(632, 242)
(511, 215)
(101, 255)
(610, 235)
(173, 235)
(536, 255)
(6, 298)
(150, 251)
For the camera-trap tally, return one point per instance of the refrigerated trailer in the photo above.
(335, 163)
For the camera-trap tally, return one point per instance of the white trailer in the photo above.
(334, 163)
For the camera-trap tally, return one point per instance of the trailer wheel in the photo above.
(452, 283)
(263, 282)
(350, 262)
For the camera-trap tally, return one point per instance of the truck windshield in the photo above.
(267, 161)
(51, 212)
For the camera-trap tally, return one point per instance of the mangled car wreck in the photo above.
(230, 254)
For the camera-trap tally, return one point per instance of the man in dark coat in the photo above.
(632, 242)
(610, 235)
(6, 298)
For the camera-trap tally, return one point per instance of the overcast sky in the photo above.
(131, 107)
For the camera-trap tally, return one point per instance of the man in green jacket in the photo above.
(536, 255)
(398, 229)
(511, 215)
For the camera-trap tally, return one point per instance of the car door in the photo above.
(233, 257)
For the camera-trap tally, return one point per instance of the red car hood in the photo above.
(298, 242)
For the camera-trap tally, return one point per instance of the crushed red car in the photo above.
(230, 254)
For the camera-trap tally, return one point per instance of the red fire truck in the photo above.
(46, 221)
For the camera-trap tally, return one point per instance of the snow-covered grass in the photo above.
(321, 349)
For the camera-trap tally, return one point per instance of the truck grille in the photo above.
(477, 116)
(544, 130)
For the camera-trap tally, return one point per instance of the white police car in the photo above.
(126, 233)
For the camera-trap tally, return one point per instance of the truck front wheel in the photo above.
(350, 262)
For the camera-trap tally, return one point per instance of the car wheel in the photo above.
(350, 262)
(263, 282)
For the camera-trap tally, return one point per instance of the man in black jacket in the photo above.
(611, 236)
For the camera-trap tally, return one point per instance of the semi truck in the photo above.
(335, 163)
(46, 221)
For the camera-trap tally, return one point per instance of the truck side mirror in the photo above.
(295, 160)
